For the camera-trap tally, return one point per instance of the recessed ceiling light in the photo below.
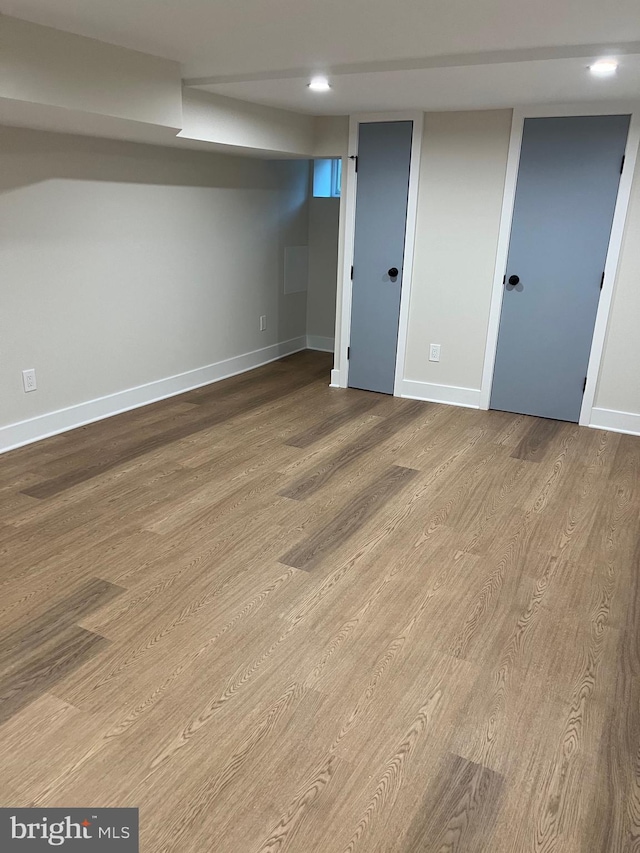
(604, 67)
(319, 84)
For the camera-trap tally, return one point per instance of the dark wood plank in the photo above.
(354, 450)
(350, 409)
(39, 671)
(36, 654)
(475, 624)
(533, 446)
(458, 812)
(614, 814)
(45, 627)
(190, 425)
(348, 520)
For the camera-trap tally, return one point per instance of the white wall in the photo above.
(462, 174)
(209, 117)
(54, 80)
(323, 270)
(123, 264)
(331, 136)
(40, 65)
(619, 382)
(213, 118)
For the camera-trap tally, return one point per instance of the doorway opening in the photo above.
(324, 226)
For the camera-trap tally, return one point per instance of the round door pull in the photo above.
(514, 279)
(393, 272)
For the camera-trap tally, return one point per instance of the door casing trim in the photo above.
(340, 374)
(613, 251)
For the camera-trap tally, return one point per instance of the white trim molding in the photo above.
(614, 421)
(335, 379)
(320, 343)
(587, 413)
(350, 188)
(449, 395)
(611, 270)
(409, 249)
(52, 423)
(502, 251)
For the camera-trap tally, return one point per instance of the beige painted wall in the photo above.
(123, 263)
(462, 175)
(619, 381)
(462, 172)
(214, 118)
(54, 80)
(323, 266)
(41, 65)
(331, 136)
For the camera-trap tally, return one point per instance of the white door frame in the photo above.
(613, 252)
(350, 188)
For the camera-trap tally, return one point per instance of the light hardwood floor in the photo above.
(280, 617)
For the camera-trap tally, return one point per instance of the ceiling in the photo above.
(430, 54)
(452, 88)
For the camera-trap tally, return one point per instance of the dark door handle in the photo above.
(514, 279)
(393, 272)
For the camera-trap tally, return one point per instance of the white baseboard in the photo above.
(319, 343)
(52, 423)
(335, 379)
(451, 395)
(614, 421)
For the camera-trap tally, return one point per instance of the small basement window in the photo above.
(327, 177)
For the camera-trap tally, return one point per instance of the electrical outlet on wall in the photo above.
(263, 323)
(434, 352)
(29, 380)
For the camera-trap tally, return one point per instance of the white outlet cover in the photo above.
(29, 380)
(434, 352)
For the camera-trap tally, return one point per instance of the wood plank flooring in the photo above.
(280, 617)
